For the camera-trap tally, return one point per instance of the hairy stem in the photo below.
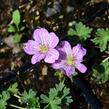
(17, 107)
(46, 106)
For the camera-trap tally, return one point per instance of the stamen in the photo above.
(43, 49)
(69, 60)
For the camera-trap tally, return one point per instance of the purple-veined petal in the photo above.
(78, 52)
(30, 47)
(62, 55)
(58, 65)
(69, 70)
(66, 47)
(51, 56)
(53, 40)
(41, 36)
(81, 67)
(37, 58)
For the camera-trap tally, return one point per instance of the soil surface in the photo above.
(55, 16)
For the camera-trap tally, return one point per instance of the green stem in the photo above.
(71, 77)
(17, 28)
(17, 107)
(46, 106)
(63, 80)
(17, 96)
(105, 59)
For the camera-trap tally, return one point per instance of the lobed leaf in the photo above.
(44, 98)
(13, 88)
(102, 38)
(80, 30)
(57, 96)
(101, 72)
(3, 99)
(30, 99)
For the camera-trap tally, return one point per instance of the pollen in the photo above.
(69, 60)
(43, 49)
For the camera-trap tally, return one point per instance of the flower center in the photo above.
(69, 60)
(43, 49)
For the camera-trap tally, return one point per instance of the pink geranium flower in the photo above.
(70, 58)
(43, 46)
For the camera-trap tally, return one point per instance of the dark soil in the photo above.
(36, 13)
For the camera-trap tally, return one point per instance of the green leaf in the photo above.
(26, 96)
(101, 72)
(60, 86)
(30, 99)
(71, 32)
(52, 93)
(3, 104)
(102, 38)
(3, 99)
(16, 17)
(69, 100)
(22, 28)
(5, 95)
(55, 104)
(66, 91)
(81, 30)
(44, 98)
(16, 38)
(13, 88)
(57, 97)
(11, 28)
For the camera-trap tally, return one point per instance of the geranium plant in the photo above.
(15, 27)
(56, 98)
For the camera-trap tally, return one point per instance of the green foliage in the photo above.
(5, 96)
(101, 72)
(102, 38)
(3, 99)
(13, 89)
(11, 29)
(80, 30)
(30, 99)
(16, 17)
(60, 75)
(16, 38)
(57, 97)
(15, 26)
